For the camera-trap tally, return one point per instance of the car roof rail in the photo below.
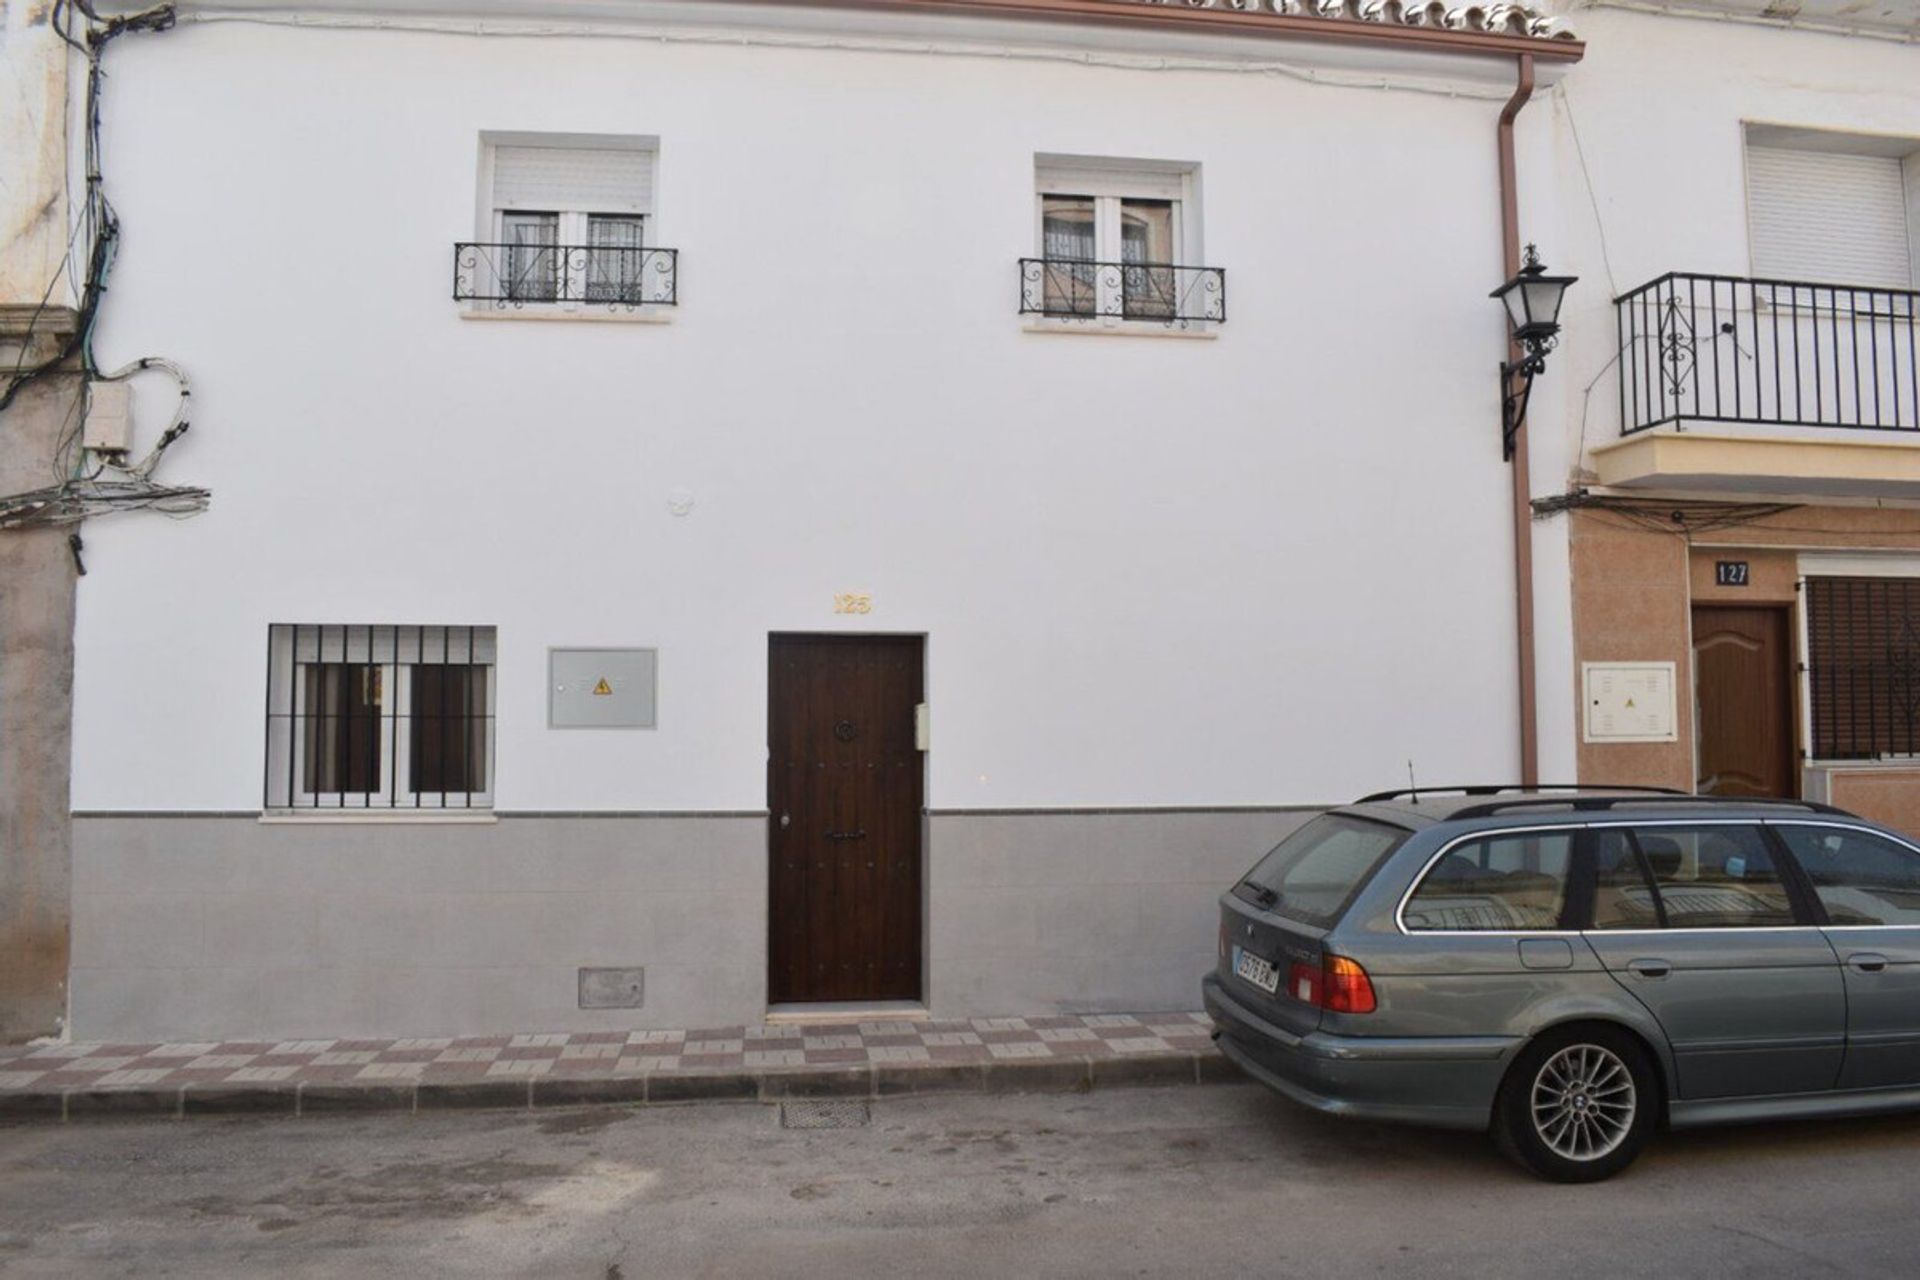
(1494, 789)
(1599, 804)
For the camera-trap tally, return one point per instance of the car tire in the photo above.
(1578, 1104)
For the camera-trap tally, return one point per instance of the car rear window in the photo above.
(1314, 873)
(1501, 883)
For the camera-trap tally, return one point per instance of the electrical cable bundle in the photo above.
(75, 495)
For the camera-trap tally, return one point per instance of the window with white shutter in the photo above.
(1831, 210)
(566, 224)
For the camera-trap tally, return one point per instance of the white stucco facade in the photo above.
(1152, 572)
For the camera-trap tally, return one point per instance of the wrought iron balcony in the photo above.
(1072, 289)
(1704, 348)
(522, 275)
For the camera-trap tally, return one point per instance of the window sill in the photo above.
(657, 313)
(375, 817)
(1113, 327)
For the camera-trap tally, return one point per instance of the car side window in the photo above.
(1861, 879)
(1502, 882)
(1622, 894)
(1715, 877)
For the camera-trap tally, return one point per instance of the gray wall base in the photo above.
(1079, 912)
(207, 927)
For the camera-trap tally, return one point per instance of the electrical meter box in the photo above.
(1630, 701)
(600, 688)
(108, 426)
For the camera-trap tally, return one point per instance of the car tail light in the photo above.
(1223, 939)
(1348, 989)
(1337, 984)
(1303, 984)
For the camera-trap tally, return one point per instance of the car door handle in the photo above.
(1649, 968)
(1866, 962)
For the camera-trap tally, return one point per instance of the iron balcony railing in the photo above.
(519, 275)
(1085, 290)
(1707, 348)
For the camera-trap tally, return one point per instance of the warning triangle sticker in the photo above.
(602, 689)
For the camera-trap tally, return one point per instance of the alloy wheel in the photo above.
(1583, 1102)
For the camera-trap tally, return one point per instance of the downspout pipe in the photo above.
(1520, 474)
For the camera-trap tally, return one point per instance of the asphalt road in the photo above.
(1222, 1180)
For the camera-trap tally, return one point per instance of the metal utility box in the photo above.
(108, 426)
(613, 988)
(1629, 701)
(600, 688)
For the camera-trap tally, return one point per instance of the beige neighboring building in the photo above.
(1791, 631)
(37, 567)
(1741, 383)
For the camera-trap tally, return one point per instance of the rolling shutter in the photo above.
(554, 178)
(1863, 667)
(1827, 217)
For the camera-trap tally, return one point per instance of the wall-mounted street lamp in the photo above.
(1533, 300)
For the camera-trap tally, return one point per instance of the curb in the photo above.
(668, 1088)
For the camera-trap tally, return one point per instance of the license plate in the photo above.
(1255, 970)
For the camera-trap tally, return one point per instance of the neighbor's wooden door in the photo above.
(845, 789)
(1743, 701)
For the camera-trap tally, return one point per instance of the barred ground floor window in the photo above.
(1863, 667)
(379, 716)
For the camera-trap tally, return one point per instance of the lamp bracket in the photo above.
(1516, 388)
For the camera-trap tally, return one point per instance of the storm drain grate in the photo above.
(824, 1115)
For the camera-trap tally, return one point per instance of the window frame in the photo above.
(1800, 872)
(573, 275)
(394, 793)
(1110, 183)
(1487, 833)
(1582, 873)
(1800, 897)
(1901, 148)
(1563, 926)
(1400, 836)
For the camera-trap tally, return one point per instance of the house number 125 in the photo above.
(853, 602)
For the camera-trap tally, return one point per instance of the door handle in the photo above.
(1649, 968)
(1866, 962)
(861, 834)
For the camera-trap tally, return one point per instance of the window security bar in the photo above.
(379, 717)
(1078, 289)
(1708, 348)
(532, 273)
(1863, 667)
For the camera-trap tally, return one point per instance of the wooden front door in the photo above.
(1743, 702)
(844, 787)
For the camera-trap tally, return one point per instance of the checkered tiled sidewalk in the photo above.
(336, 1066)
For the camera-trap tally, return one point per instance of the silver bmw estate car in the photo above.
(1571, 969)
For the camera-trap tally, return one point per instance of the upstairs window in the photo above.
(1119, 240)
(566, 222)
(1833, 208)
(379, 717)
